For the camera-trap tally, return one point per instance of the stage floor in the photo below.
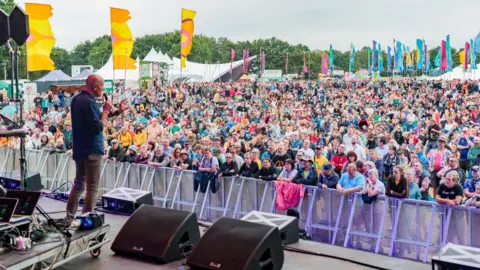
(293, 260)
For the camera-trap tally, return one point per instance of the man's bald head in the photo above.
(94, 85)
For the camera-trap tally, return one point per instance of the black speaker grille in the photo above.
(148, 231)
(228, 244)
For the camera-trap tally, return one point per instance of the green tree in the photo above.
(7, 5)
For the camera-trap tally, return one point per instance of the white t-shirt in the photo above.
(380, 187)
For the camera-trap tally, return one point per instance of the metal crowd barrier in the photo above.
(404, 228)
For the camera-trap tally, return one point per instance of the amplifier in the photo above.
(126, 200)
(11, 180)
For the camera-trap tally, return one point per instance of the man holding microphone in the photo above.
(88, 143)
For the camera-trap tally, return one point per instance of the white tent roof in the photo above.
(107, 72)
(152, 56)
(164, 58)
(202, 72)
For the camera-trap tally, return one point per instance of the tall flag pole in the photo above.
(262, 62)
(380, 58)
(231, 61)
(467, 51)
(473, 55)
(449, 54)
(305, 67)
(399, 58)
(420, 55)
(395, 62)
(286, 64)
(351, 67)
(122, 39)
(444, 61)
(332, 58)
(188, 28)
(427, 56)
(389, 59)
(369, 52)
(41, 40)
(324, 64)
(375, 56)
(245, 65)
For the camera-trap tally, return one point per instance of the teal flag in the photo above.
(449, 54)
(380, 58)
(399, 58)
(473, 55)
(332, 58)
(438, 58)
(421, 54)
(351, 67)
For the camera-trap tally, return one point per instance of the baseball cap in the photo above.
(114, 141)
(476, 168)
(133, 147)
(327, 167)
(442, 138)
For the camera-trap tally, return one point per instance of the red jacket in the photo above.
(339, 161)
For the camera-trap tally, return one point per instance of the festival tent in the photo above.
(107, 72)
(53, 76)
(164, 58)
(152, 56)
(206, 72)
(83, 75)
(456, 73)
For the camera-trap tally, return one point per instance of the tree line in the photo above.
(205, 50)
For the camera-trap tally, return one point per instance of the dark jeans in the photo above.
(88, 172)
(464, 165)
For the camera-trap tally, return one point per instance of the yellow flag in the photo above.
(188, 27)
(462, 57)
(41, 40)
(122, 39)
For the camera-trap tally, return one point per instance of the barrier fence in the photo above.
(403, 228)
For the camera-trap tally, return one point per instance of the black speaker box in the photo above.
(19, 27)
(232, 244)
(4, 28)
(157, 234)
(287, 225)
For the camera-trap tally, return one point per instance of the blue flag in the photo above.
(380, 58)
(375, 56)
(421, 54)
(399, 58)
(351, 67)
(332, 57)
(389, 59)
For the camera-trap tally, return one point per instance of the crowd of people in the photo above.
(400, 138)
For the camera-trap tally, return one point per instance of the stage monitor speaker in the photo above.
(158, 234)
(4, 28)
(287, 225)
(19, 27)
(232, 244)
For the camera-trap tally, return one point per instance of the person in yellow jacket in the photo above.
(319, 160)
(125, 138)
(139, 136)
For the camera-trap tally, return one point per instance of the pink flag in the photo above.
(305, 67)
(231, 62)
(444, 64)
(467, 50)
(324, 64)
(262, 63)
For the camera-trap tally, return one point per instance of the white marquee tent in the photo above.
(202, 72)
(107, 72)
(152, 56)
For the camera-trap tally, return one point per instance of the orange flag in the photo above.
(188, 28)
(122, 39)
(41, 40)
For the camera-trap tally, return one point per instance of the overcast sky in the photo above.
(316, 23)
